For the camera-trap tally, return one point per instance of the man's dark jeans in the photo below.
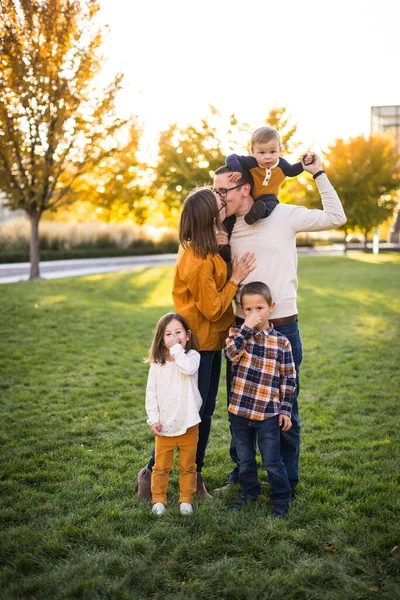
(245, 434)
(290, 440)
(209, 374)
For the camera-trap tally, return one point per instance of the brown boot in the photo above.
(201, 488)
(144, 484)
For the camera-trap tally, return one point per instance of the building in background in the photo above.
(386, 120)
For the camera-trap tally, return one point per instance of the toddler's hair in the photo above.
(262, 135)
(157, 350)
(256, 287)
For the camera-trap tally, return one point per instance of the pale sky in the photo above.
(328, 61)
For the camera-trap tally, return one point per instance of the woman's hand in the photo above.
(222, 238)
(242, 267)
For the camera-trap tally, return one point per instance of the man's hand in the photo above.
(253, 320)
(222, 238)
(156, 429)
(285, 422)
(315, 166)
(308, 158)
(234, 176)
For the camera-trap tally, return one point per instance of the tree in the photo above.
(365, 174)
(54, 123)
(188, 156)
(115, 186)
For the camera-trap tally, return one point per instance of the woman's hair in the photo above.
(262, 135)
(199, 218)
(158, 349)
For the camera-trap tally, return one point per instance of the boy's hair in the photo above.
(198, 220)
(245, 178)
(256, 287)
(157, 350)
(262, 135)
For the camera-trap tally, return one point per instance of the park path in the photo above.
(56, 269)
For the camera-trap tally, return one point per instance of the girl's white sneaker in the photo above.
(158, 508)
(186, 508)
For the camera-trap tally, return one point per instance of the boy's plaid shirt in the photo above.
(264, 375)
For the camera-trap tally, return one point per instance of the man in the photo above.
(273, 240)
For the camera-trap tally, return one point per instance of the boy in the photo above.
(261, 396)
(268, 170)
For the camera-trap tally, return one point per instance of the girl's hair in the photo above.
(157, 350)
(199, 218)
(262, 135)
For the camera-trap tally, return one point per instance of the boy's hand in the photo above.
(253, 320)
(156, 429)
(234, 176)
(285, 422)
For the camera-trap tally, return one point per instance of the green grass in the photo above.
(74, 435)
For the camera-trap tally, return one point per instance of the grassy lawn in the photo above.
(74, 435)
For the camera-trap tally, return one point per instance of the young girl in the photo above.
(173, 402)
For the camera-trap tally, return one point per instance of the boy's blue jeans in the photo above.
(245, 433)
(290, 440)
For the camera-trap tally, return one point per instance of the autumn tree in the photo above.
(188, 156)
(365, 174)
(116, 186)
(55, 123)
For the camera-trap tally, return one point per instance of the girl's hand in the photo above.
(156, 429)
(222, 238)
(171, 340)
(285, 422)
(242, 267)
(234, 176)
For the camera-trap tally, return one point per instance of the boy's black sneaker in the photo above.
(257, 212)
(278, 512)
(241, 503)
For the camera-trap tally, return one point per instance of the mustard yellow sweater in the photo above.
(203, 296)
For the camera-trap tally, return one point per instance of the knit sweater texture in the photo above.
(273, 240)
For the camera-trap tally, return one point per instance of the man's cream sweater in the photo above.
(273, 240)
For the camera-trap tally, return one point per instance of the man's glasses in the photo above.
(223, 192)
(223, 205)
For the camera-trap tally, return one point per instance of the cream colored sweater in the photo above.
(273, 240)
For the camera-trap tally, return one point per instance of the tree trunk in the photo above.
(34, 246)
(365, 241)
(345, 243)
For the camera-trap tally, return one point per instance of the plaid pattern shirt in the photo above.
(263, 373)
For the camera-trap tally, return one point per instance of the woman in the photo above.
(202, 295)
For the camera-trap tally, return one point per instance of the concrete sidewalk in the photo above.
(56, 269)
